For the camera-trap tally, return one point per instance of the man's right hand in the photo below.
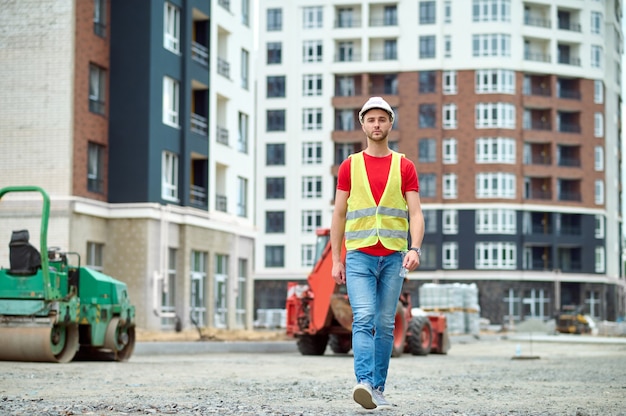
(339, 273)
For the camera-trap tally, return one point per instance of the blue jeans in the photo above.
(374, 286)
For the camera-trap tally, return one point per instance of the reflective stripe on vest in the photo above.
(366, 223)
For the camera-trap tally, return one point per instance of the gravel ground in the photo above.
(474, 378)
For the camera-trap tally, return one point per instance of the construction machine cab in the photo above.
(24, 259)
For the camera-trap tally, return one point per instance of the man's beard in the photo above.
(380, 138)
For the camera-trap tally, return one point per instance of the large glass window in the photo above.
(427, 150)
(276, 86)
(274, 53)
(274, 222)
(171, 102)
(490, 115)
(495, 185)
(427, 11)
(95, 167)
(449, 82)
(275, 154)
(220, 319)
(496, 221)
(169, 177)
(449, 151)
(312, 51)
(242, 286)
(171, 25)
(427, 81)
(450, 255)
(275, 120)
(596, 56)
(495, 150)
(428, 184)
(274, 20)
(311, 187)
(311, 85)
(311, 153)
(427, 115)
(449, 185)
(427, 47)
(97, 89)
(95, 256)
(450, 221)
(312, 17)
(311, 220)
(100, 17)
(311, 119)
(275, 188)
(495, 81)
(449, 116)
(491, 44)
(495, 255)
(491, 10)
(274, 256)
(596, 23)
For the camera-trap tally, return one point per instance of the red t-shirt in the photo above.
(377, 172)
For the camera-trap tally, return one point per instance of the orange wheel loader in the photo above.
(319, 314)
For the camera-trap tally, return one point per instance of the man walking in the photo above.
(377, 206)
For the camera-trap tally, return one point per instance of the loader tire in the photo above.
(312, 344)
(399, 331)
(340, 344)
(420, 335)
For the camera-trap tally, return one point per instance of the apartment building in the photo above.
(136, 117)
(511, 111)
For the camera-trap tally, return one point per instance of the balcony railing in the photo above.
(569, 60)
(384, 21)
(569, 94)
(572, 162)
(537, 22)
(574, 27)
(537, 57)
(383, 56)
(223, 67)
(537, 125)
(348, 57)
(221, 135)
(347, 23)
(540, 160)
(221, 203)
(569, 196)
(540, 91)
(569, 128)
(537, 194)
(199, 124)
(200, 54)
(197, 196)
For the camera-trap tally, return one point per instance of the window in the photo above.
(598, 163)
(427, 47)
(512, 303)
(596, 56)
(495, 81)
(495, 150)
(496, 221)
(596, 23)
(274, 53)
(599, 192)
(274, 20)
(495, 255)
(345, 120)
(430, 220)
(171, 28)
(449, 116)
(100, 18)
(311, 187)
(598, 125)
(95, 168)
(495, 185)
(307, 255)
(220, 288)
(242, 197)
(275, 188)
(427, 115)
(311, 119)
(599, 260)
(94, 256)
(427, 12)
(599, 227)
(274, 256)
(241, 299)
(598, 92)
(345, 17)
(450, 255)
(312, 17)
(245, 12)
(311, 153)
(312, 51)
(171, 97)
(242, 139)
(449, 151)
(427, 183)
(427, 150)
(390, 50)
(495, 115)
(449, 184)
(274, 222)
(169, 176)
(245, 69)
(390, 15)
(311, 220)
(345, 86)
(275, 86)
(275, 120)
(346, 52)
(275, 154)
(447, 46)
(491, 44)
(449, 82)
(311, 85)
(427, 81)
(97, 88)
(450, 221)
(491, 10)
(447, 11)
(535, 304)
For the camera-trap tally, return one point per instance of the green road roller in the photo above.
(52, 310)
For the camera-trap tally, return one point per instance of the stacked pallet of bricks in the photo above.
(458, 302)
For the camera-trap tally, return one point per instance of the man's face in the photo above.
(376, 124)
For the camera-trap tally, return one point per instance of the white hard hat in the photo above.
(376, 102)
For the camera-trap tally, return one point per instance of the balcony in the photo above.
(537, 188)
(197, 196)
(569, 190)
(347, 17)
(569, 259)
(570, 224)
(568, 122)
(199, 124)
(221, 203)
(538, 258)
(537, 154)
(568, 21)
(348, 85)
(537, 57)
(537, 85)
(223, 67)
(200, 54)
(536, 120)
(221, 135)
(537, 21)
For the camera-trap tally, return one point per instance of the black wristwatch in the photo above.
(417, 250)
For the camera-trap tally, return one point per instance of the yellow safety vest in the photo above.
(366, 222)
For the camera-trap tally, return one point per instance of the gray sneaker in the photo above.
(379, 399)
(362, 394)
